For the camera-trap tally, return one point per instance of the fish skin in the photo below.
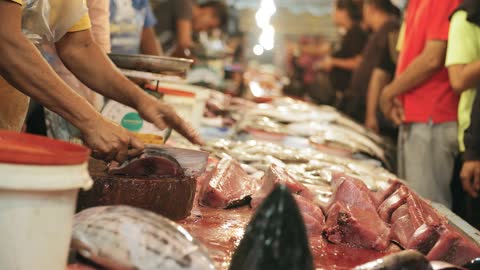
(127, 238)
(275, 238)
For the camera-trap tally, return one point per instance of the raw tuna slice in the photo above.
(352, 218)
(312, 215)
(274, 176)
(163, 161)
(453, 247)
(228, 186)
(382, 195)
(412, 227)
(149, 164)
(392, 203)
(351, 192)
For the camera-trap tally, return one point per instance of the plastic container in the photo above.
(39, 182)
(188, 100)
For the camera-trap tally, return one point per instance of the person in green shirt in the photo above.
(463, 63)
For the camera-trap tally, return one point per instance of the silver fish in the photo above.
(127, 238)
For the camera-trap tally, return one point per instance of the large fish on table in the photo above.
(275, 238)
(162, 161)
(127, 238)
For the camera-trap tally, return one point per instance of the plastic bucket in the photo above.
(37, 205)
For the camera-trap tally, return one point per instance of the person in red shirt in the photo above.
(422, 102)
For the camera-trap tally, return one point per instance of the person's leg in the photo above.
(445, 149)
(418, 159)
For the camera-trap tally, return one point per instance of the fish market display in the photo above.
(325, 126)
(163, 161)
(229, 185)
(275, 237)
(352, 217)
(417, 225)
(122, 237)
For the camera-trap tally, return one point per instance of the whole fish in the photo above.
(127, 238)
(275, 238)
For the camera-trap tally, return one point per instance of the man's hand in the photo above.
(470, 176)
(324, 65)
(391, 107)
(371, 122)
(163, 115)
(109, 141)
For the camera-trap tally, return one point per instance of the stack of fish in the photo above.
(324, 125)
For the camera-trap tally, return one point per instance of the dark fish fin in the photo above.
(276, 237)
(473, 265)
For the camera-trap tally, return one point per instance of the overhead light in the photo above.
(262, 17)
(258, 50)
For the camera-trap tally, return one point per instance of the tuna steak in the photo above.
(275, 238)
(274, 176)
(228, 186)
(417, 225)
(127, 238)
(163, 161)
(352, 218)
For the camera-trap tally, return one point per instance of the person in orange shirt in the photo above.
(23, 67)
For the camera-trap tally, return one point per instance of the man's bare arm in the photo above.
(347, 63)
(463, 77)
(184, 34)
(379, 80)
(149, 44)
(24, 68)
(422, 68)
(84, 58)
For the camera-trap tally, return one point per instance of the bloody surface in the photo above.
(221, 231)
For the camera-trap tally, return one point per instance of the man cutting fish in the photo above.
(66, 25)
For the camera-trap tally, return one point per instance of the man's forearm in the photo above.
(84, 58)
(24, 68)
(463, 77)
(430, 61)
(149, 43)
(378, 81)
(347, 63)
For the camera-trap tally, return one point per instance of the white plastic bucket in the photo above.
(37, 204)
(190, 108)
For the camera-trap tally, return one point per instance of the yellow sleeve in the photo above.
(83, 24)
(18, 1)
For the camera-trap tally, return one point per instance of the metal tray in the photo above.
(149, 63)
